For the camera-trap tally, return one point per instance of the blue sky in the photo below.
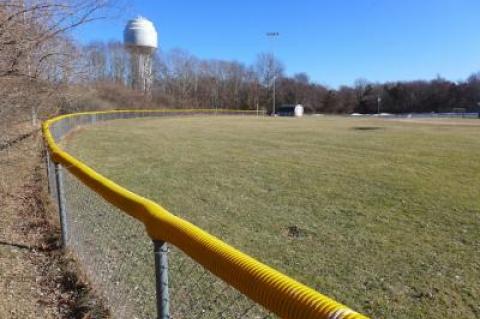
(334, 41)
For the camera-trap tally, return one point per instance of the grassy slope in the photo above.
(388, 219)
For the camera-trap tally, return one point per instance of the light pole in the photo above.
(379, 100)
(273, 35)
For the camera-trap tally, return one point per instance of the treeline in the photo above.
(183, 80)
(43, 70)
(38, 59)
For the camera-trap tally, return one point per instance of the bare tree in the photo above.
(35, 52)
(267, 66)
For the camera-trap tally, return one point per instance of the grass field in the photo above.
(381, 215)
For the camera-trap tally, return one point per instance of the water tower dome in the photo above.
(140, 32)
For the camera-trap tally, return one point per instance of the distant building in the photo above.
(290, 110)
(299, 110)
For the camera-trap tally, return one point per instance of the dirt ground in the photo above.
(36, 279)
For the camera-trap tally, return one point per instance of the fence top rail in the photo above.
(277, 292)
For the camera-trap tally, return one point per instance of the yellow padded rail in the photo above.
(268, 287)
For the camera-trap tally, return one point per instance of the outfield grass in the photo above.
(381, 215)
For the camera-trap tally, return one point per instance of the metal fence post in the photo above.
(61, 203)
(161, 279)
(47, 162)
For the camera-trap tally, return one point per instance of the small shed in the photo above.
(291, 110)
(299, 110)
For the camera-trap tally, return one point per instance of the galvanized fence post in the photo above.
(47, 163)
(61, 203)
(161, 279)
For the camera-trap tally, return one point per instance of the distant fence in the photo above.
(471, 115)
(110, 231)
(456, 114)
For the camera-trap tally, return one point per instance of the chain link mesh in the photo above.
(196, 293)
(117, 257)
(113, 249)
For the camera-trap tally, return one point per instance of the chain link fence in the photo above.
(118, 256)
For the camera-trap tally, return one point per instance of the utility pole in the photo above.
(273, 35)
(379, 100)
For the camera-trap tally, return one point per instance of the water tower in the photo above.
(140, 38)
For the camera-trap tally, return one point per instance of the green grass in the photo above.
(383, 216)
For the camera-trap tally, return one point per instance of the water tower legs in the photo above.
(141, 72)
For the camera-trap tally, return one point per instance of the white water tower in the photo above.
(140, 38)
